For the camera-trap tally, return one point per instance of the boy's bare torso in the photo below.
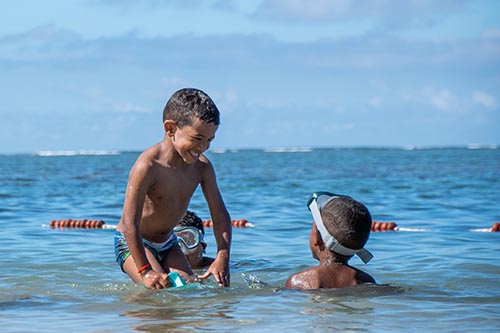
(171, 185)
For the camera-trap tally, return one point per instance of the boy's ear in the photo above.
(170, 127)
(316, 236)
(319, 242)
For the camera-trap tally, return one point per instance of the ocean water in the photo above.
(441, 274)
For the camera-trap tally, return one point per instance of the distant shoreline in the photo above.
(276, 149)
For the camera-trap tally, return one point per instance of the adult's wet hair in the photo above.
(187, 104)
(192, 220)
(349, 221)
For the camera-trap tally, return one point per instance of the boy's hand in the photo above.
(220, 270)
(156, 280)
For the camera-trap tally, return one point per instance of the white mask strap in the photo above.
(331, 243)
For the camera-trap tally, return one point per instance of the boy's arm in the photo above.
(138, 184)
(222, 229)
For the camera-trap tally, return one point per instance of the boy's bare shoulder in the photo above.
(148, 156)
(308, 279)
(145, 161)
(363, 277)
(152, 152)
(204, 164)
(203, 159)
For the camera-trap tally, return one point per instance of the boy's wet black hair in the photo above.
(187, 104)
(192, 220)
(349, 221)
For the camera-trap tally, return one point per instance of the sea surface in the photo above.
(439, 273)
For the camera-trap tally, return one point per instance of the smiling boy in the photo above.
(160, 186)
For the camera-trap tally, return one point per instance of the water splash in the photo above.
(254, 282)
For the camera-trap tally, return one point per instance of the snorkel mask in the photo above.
(189, 238)
(317, 201)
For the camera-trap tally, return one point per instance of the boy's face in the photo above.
(192, 244)
(195, 256)
(192, 140)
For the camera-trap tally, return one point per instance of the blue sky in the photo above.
(96, 74)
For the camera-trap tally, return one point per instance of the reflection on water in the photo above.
(245, 308)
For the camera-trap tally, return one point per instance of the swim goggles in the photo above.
(316, 202)
(189, 238)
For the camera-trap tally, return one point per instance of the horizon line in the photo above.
(269, 149)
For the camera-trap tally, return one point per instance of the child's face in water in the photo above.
(192, 244)
(196, 256)
(192, 140)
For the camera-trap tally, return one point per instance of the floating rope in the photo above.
(243, 223)
(82, 224)
(377, 226)
(100, 224)
(70, 223)
(392, 226)
(384, 226)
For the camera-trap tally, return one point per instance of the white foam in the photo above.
(481, 230)
(76, 152)
(288, 150)
(222, 151)
(479, 146)
(218, 151)
(412, 229)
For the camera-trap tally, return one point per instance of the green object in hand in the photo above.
(176, 279)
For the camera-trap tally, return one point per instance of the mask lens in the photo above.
(189, 237)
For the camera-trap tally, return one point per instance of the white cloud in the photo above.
(173, 82)
(129, 107)
(50, 45)
(337, 127)
(484, 99)
(444, 100)
(320, 10)
(441, 99)
(491, 34)
(375, 102)
(332, 10)
(226, 101)
(251, 77)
